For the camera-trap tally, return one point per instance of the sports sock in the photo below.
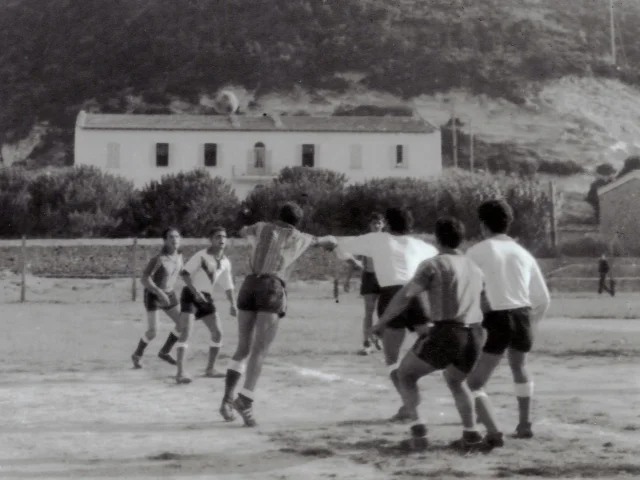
(246, 396)
(214, 349)
(141, 346)
(234, 373)
(168, 345)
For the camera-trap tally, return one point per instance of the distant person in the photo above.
(369, 288)
(518, 300)
(159, 280)
(604, 270)
(454, 287)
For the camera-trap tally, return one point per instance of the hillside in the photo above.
(533, 73)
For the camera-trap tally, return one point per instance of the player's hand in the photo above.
(164, 298)
(233, 311)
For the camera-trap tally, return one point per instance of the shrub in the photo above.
(630, 164)
(560, 167)
(14, 201)
(308, 187)
(193, 202)
(588, 247)
(605, 170)
(60, 199)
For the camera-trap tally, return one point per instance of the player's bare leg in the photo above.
(471, 439)
(186, 324)
(246, 332)
(214, 325)
(370, 300)
(149, 335)
(477, 380)
(411, 370)
(392, 340)
(265, 331)
(524, 391)
(165, 351)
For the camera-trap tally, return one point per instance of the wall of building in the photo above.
(359, 155)
(619, 216)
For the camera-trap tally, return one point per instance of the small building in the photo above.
(620, 212)
(249, 151)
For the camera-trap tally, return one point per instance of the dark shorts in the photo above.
(450, 343)
(413, 316)
(263, 293)
(369, 284)
(152, 302)
(508, 329)
(189, 304)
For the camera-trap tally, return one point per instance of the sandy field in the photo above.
(72, 407)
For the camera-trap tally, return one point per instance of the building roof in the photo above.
(632, 175)
(389, 124)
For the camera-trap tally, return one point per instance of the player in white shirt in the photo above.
(518, 299)
(200, 274)
(396, 256)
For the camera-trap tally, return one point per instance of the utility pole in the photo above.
(612, 28)
(454, 133)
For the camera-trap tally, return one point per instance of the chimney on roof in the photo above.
(277, 121)
(234, 120)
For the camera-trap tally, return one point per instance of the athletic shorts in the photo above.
(508, 329)
(451, 343)
(189, 304)
(263, 293)
(152, 302)
(369, 284)
(413, 316)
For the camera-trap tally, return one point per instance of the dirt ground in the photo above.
(72, 407)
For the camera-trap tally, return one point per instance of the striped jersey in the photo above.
(275, 247)
(165, 270)
(453, 286)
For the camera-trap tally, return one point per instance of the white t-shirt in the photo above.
(205, 271)
(395, 257)
(512, 275)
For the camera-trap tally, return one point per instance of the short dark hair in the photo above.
(399, 220)
(449, 232)
(376, 217)
(167, 231)
(291, 213)
(496, 215)
(216, 230)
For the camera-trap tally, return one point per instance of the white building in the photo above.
(248, 151)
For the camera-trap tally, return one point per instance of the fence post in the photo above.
(554, 222)
(134, 279)
(23, 273)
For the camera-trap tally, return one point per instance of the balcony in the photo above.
(254, 171)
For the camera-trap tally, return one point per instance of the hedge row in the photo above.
(85, 202)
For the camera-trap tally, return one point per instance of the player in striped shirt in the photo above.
(159, 279)
(262, 302)
(452, 290)
(396, 256)
(369, 287)
(519, 298)
(201, 273)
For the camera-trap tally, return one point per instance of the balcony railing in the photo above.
(254, 170)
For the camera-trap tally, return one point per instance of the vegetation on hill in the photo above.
(61, 54)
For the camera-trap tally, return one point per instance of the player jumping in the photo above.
(369, 288)
(159, 279)
(396, 256)
(262, 302)
(454, 289)
(196, 300)
(519, 298)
